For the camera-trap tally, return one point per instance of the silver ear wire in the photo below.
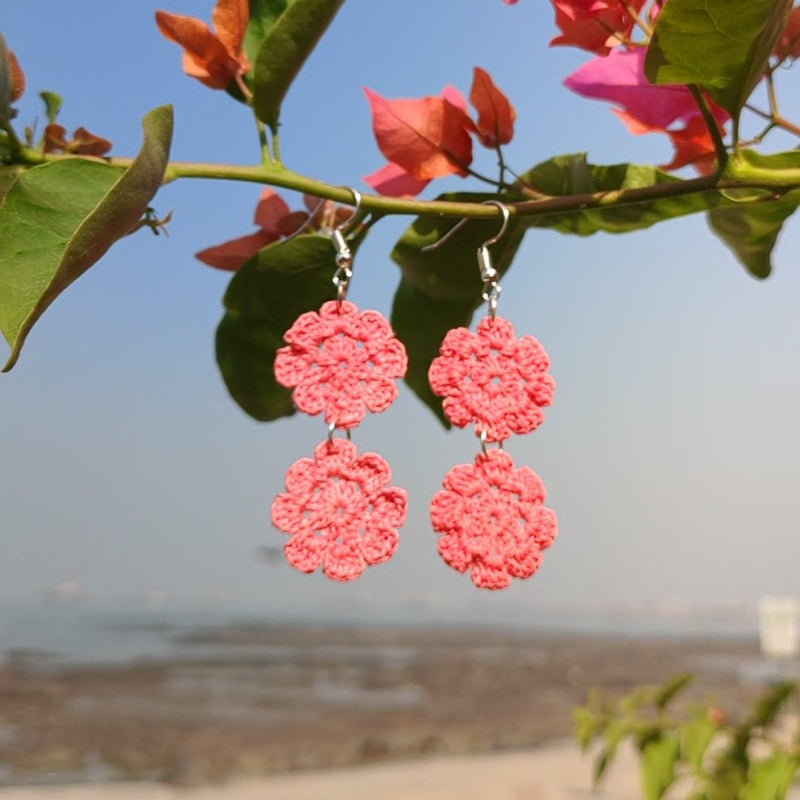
(460, 224)
(489, 275)
(344, 256)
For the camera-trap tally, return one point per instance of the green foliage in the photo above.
(659, 757)
(671, 689)
(284, 50)
(720, 45)
(60, 218)
(771, 778)
(263, 15)
(52, 105)
(714, 758)
(441, 288)
(752, 230)
(572, 174)
(262, 301)
(696, 735)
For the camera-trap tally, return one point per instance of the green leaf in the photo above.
(751, 231)
(696, 735)
(770, 778)
(658, 766)
(767, 706)
(8, 176)
(61, 217)
(284, 50)
(440, 289)
(572, 175)
(601, 764)
(263, 15)
(586, 726)
(263, 299)
(672, 687)
(721, 45)
(52, 105)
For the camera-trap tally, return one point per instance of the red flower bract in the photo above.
(594, 25)
(341, 361)
(492, 379)
(492, 520)
(340, 511)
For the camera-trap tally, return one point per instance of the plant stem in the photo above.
(713, 127)
(737, 175)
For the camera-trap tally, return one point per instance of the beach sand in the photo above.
(552, 772)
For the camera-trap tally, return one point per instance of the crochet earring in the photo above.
(339, 510)
(491, 515)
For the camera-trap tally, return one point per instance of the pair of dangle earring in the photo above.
(490, 515)
(339, 508)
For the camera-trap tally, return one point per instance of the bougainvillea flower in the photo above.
(341, 361)
(492, 379)
(693, 143)
(83, 142)
(16, 76)
(619, 78)
(492, 520)
(428, 137)
(340, 511)
(392, 180)
(214, 58)
(788, 45)
(496, 115)
(594, 25)
(230, 255)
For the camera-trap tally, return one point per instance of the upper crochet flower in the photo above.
(492, 379)
(492, 520)
(339, 510)
(341, 361)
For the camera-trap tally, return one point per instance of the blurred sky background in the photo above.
(670, 454)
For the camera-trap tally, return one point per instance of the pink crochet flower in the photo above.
(492, 379)
(339, 511)
(492, 520)
(341, 361)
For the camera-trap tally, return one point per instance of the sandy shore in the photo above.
(552, 772)
(557, 771)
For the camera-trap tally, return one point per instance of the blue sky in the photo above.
(670, 453)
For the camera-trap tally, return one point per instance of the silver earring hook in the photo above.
(344, 256)
(489, 275)
(460, 224)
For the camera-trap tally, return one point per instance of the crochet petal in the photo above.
(305, 551)
(379, 393)
(310, 396)
(378, 545)
(388, 509)
(343, 560)
(490, 576)
(451, 548)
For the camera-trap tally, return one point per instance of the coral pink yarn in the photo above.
(492, 379)
(492, 520)
(339, 510)
(341, 361)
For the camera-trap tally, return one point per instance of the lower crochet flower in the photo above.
(492, 520)
(493, 379)
(341, 361)
(339, 510)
